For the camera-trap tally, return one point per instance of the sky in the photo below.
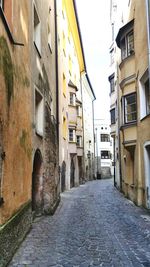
(94, 20)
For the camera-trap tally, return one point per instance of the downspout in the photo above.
(83, 178)
(148, 34)
(114, 161)
(57, 83)
(56, 67)
(119, 137)
(93, 136)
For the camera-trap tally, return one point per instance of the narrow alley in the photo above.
(94, 225)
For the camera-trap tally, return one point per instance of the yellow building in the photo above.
(15, 126)
(134, 103)
(70, 66)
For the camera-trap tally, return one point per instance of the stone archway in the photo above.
(63, 176)
(37, 183)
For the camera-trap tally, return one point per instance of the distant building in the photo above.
(103, 148)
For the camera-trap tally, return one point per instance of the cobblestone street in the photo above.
(94, 225)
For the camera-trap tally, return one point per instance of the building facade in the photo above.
(88, 98)
(45, 175)
(15, 126)
(118, 16)
(71, 66)
(104, 149)
(29, 176)
(133, 103)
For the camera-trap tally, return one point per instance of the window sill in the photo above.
(40, 134)
(126, 59)
(127, 125)
(145, 117)
(71, 105)
(72, 142)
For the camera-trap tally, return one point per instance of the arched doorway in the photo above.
(72, 173)
(63, 176)
(37, 183)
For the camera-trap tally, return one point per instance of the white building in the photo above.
(88, 97)
(103, 148)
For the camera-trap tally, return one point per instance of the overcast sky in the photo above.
(94, 19)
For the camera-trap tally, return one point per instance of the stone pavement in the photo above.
(93, 226)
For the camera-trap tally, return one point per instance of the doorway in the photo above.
(72, 174)
(147, 172)
(37, 183)
(63, 177)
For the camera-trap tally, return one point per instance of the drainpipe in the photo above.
(148, 33)
(93, 137)
(83, 162)
(57, 83)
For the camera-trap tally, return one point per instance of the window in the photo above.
(39, 112)
(2, 4)
(127, 45)
(147, 97)
(105, 138)
(37, 31)
(64, 128)
(130, 108)
(79, 140)
(112, 83)
(112, 56)
(64, 44)
(79, 111)
(72, 99)
(71, 135)
(144, 95)
(64, 85)
(112, 116)
(105, 154)
(70, 65)
(49, 34)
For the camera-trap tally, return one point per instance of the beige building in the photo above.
(133, 104)
(15, 126)
(29, 178)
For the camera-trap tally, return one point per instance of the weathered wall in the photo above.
(15, 114)
(44, 78)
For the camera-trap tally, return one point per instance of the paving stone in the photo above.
(94, 225)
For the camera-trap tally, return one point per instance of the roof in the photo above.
(123, 31)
